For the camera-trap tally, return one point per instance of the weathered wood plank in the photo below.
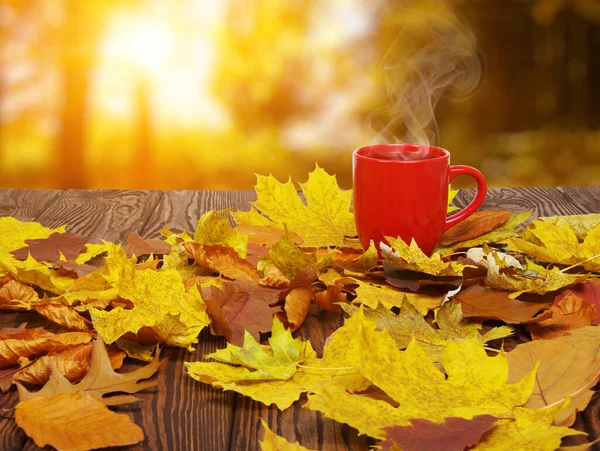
(183, 413)
(102, 214)
(543, 201)
(587, 198)
(26, 204)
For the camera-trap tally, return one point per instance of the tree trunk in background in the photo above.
(77, 60)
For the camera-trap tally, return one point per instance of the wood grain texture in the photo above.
(182, 209)
(543, 201)
(585, 197)
(102, 214)
(26, 204)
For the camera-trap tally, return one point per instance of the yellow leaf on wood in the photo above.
(214, 229)
(412, 258)
(273, 442)
(75, 421)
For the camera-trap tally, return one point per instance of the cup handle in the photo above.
(454, 171)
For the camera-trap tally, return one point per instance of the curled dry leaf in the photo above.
(32, 343)
(567, 313)
(221, 259)
(100, 380)
(477, 224)
(75, 421)
(297, 303)
(17, 296)
(63, 315)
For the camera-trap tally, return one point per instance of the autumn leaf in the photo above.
(91, 251)
(402, 256)
(589, 292)
(567, 366)
(452, 193)
(410, 325)
(289, 258)
(296, 306)
(489, 304)
(273, 442)
(238, 306)
(160, 302)
(63, 315)
(535, 279)
(141, 247)
(454, 434)
(224, 260)
(75, 421)
(100, 380)
(477, 224)
(277, 361)
(339, 357)
(32, 342)
(474, 384)
(17, 296)
(58, 246)
(372, 295)
(265, 235)
(507, 230)
(579, 224)
(414, 281)
(214, 229)
(566, 314)
(528, 429)
(323, 221)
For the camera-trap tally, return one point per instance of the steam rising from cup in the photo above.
(433, 55)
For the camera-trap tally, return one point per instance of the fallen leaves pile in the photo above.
(490, 343)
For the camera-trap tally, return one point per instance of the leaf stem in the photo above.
(325, 368)
(580, 263)
(487, 348)
(591, 380)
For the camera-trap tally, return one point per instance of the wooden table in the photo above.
(182, 414)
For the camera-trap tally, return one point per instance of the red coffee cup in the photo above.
(401, 190)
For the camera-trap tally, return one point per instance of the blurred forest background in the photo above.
(202, 94)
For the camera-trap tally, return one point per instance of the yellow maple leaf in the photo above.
(160, 302)
(474, 384)
(372, 295)
(534, 279)
(324, 220)
(527, 429)
(412, 258)
(214, 229)
(580, 224)
(339, 357)
(273, 442)
(91, 250)
(277, 361)
(451, 195)
(559, 244)
(289, 258)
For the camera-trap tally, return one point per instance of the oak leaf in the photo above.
(214, 229)
(273, 442)
(507, 230)
(477, 224)
(565, 314)
(75, 421)
(567, 366)
(277, 361)
(58, 246)
(323, 221)
(454, 434)
(490, 304)
(336, 366)
(221, 259)
(160, 303)
(403, 256)
(32, 342)
(474, 384)
(555, 244)
(100, 380)
(240, 305)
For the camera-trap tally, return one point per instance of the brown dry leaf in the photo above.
(63, 315)
(17, 296)
(22, 332)
(50, 249)
(454, 434)
(141, 247)
(296, 306)
(6, 377)
(490, 304)
(221, 259)
(75, 421)
(101, 379)
(34, 343)
(567, 366)
(568, 313)
(587, 292)
(240, 305)
(330, 298)
(273, 277)
(477, 224)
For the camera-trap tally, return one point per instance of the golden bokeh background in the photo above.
(203, 94)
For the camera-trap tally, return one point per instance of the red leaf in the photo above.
(49, 249)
